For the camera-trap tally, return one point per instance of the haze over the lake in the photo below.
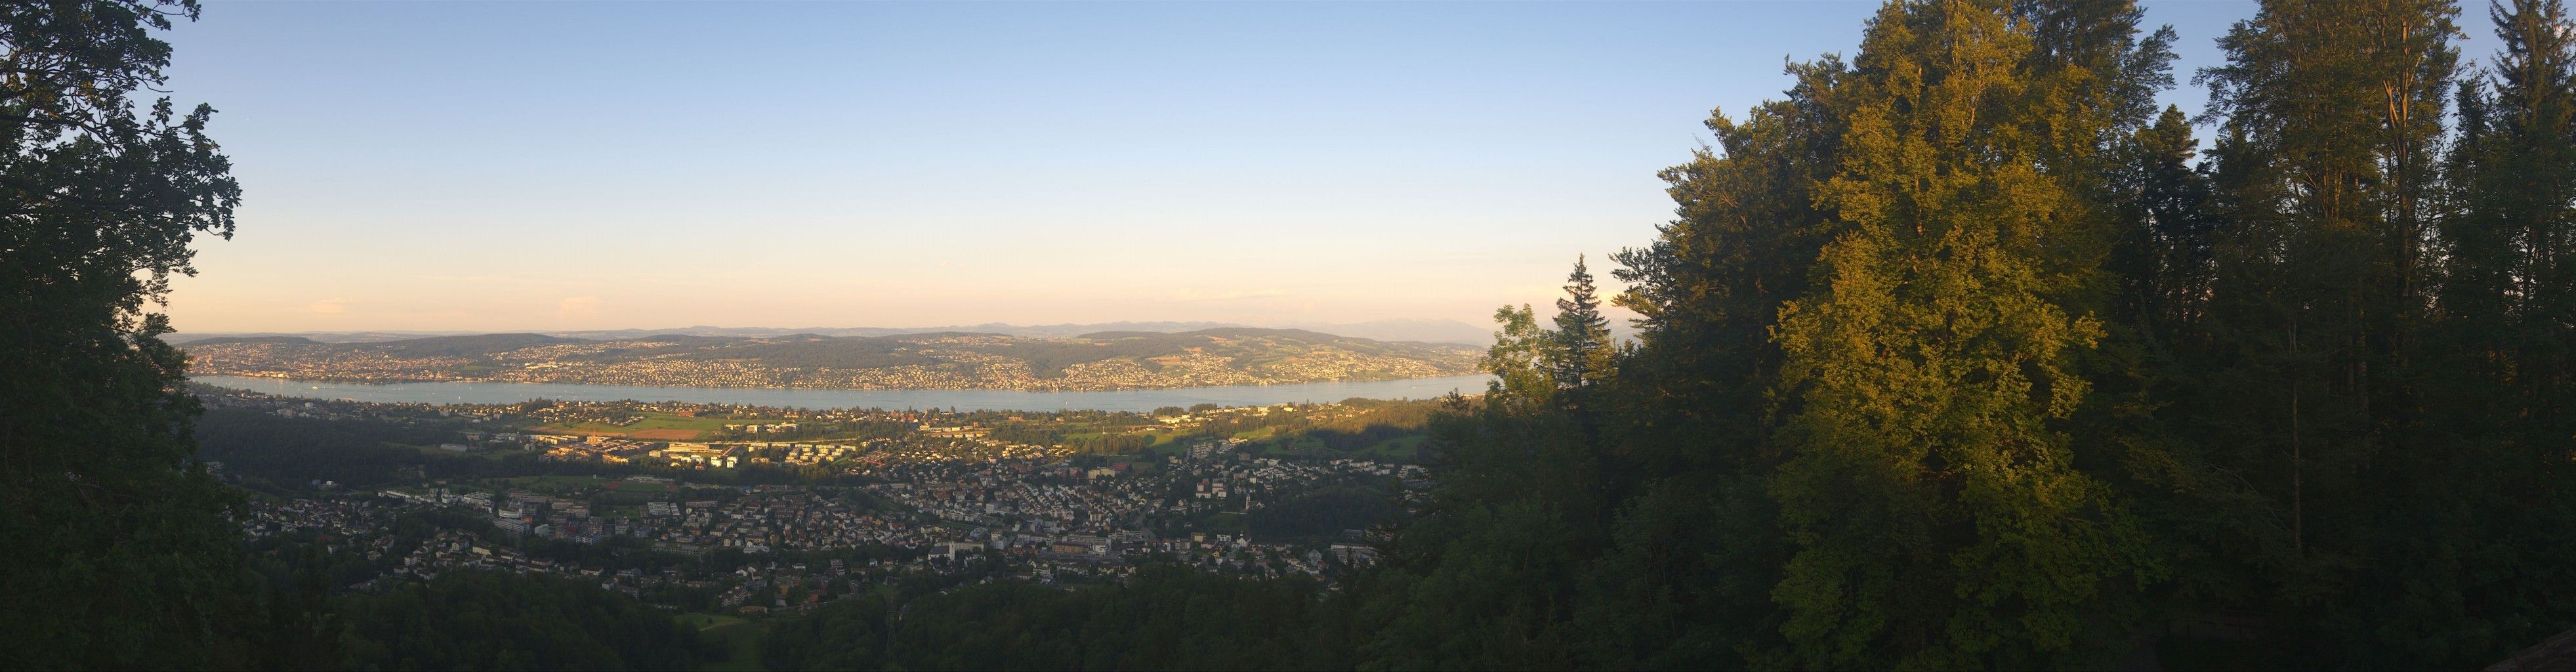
(525, 166)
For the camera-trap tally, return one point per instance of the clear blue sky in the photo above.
(497, 166)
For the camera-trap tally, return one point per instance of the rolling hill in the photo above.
(1104, 360)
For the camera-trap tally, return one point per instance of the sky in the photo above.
(590, 165)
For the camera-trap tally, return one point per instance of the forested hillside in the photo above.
(1963, 354)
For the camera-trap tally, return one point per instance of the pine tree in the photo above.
(1953, 357)
(2516, 248)
(1583, 358)
(2165, 255)
(2314, 389)
(1686, 582)
(1583, 352)
(1708, 289)
(2491, 497)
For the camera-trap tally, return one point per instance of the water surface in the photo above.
(964, 400)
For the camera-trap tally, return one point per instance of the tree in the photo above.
(494, 620)
(2165, 255)
(1939, 517)
(2314, 381)
(2333, 111)
(2508, 295)
(2481, 491)
(1519, 360)
(1582, 354)
(119, 552)
(1582, 357)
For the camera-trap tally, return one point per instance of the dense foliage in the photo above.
(118, 551)
(1960, 354)
(502, 621)
(1323, 513)
(1164, 618)
(1956, 357)
(285, 455)
(266, 450)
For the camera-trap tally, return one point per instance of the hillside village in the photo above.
(767, 508)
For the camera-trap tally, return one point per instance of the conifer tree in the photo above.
(1582, 338)
(2340, 105)
(2490, 494)
(2165, 256)
(1708, 289)
(1953, 357)
(2315, 385)
(1696, 551)
(2510, 257)
(1584, 359)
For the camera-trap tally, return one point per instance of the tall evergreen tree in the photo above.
(1696, 550)
(2490, 506)
(1583, 348)
(1584, 358)
(2165, 254)
(2511, 252)
(2315, 384)
(1954, 357)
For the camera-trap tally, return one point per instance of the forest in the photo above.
(1964, 354)
(1960, 353)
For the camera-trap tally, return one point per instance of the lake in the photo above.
(964, 400)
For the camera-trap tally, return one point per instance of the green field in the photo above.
(652, 420)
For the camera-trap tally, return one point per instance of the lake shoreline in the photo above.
(1140, 400)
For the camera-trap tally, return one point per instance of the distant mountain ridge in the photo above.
(1418, 330)
(1098, 360)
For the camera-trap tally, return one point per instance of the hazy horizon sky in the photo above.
(508, 166)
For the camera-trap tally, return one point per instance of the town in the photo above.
(946, 361)
(743, 510)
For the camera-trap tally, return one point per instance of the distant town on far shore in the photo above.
(1135, 357)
